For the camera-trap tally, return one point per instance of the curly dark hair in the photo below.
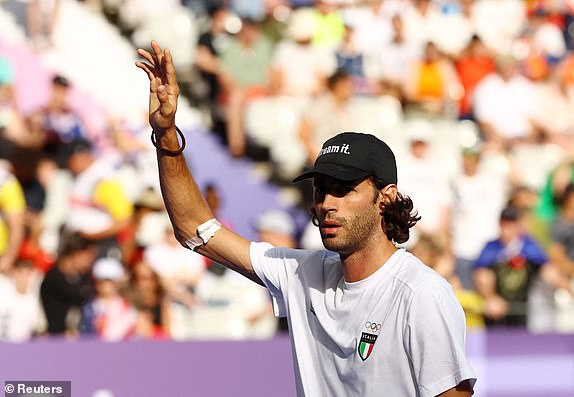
(398, 215)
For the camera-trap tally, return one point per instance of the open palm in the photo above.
(163, 86)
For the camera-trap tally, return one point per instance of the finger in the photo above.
(170, 69)
(146, 55)
(157, 55)
(146, 68)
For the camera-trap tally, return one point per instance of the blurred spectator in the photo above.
(42, 17)
(330, 114)
(274, 22)
(432, 85)
(457, 26)
(499, 23)
(474, 63)
(207, 62)
(57, 124)
(423, 180)
(68, 285)
(277, 228)
(504, 103)
(148, 296)
(526, 199)
(435, 255)
(143, 228)
(352, 62)
(554, 188)
(31, 248)
(180, 270)
(329, 24)
(395, 58)
(562, 234)
(505, 270)
(553, 118)
(423, 22)
(99, 208)
(245, 69)
(19, 304)
(478, 195)
(108, 315)
(300, 68)
(371, 26)
(13, 129)
(12, 218)
(547, 36)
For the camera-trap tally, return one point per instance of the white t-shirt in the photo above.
(478, 201)
(18, 312)
(399, 332)
(507, 105)
(425, 182)
(174, 261)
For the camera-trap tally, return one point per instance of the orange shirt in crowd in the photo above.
(470, 71)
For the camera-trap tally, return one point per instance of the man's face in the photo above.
(347, 212)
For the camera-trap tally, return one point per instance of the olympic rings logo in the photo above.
(372, 326)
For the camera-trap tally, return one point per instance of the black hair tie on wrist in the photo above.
(167, 151)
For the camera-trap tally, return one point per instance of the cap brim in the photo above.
(337, 171)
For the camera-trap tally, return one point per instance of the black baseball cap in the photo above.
(351, 156)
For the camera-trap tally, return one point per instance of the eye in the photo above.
(320, 189)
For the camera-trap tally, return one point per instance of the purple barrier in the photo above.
(156, 369)
(508, 364)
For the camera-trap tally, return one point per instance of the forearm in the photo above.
(463, 389)
(485, 283)
(184, 202)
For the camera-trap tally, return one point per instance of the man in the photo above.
(99, 207)
(366, 318)
(505, 269)
(67, 285)
(331, 112)
(56, 122)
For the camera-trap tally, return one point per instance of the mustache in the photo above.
(331, 219)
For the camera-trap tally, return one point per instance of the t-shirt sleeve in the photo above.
(12, 197)
(273, 268)
(488, 256)
(534, 252)
(435, 339)
(110, 195)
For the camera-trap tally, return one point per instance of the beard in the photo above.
(354, 232)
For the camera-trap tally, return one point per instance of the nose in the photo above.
(328, 203)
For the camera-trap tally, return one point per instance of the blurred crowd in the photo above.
(475, 97)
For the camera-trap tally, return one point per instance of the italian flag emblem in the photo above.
(366, 345)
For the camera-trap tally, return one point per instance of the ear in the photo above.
(389, 193)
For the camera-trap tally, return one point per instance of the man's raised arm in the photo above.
(185, 204)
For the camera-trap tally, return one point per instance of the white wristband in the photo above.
(205, 232)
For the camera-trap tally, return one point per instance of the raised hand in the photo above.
(163, 86)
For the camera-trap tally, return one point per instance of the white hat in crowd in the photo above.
(420, 131)
(302, 24)
(276, 221)
(108, 269)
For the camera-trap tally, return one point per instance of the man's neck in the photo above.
(366, 261)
